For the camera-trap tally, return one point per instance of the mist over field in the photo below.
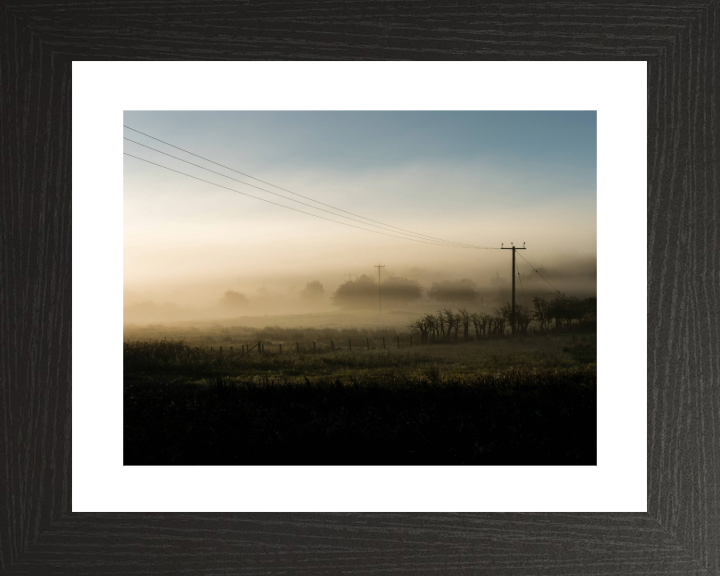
(207, 298)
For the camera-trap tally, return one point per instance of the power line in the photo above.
(460, 244)
(301, 211)
(541, 276)
(522, 291)
(288, 191)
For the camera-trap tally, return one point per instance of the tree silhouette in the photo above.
(233, 299)
(497, 322)
(458, 321)
(522, 318)
(425, 325)
(558, 309)
(363, 292)
(396, 290)
(480, 321)
(465, 319)
(454, 291)
(589, 310)
(432, 322)
(313, 290)
(541, 312)
(441, 323)
(449, 320)
(505, 312)
(359, 293)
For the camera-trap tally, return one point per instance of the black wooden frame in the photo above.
(681, 530)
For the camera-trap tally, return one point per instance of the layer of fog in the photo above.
(247, 295)
(187, 244)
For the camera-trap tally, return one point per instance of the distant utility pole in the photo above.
(512, 318)
(379, 296)
(349, 276)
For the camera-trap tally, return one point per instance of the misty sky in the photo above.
(477, 177)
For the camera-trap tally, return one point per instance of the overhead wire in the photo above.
(302, 211)
(290, 191)
(541, 276)
(522, 291)
(449, 242)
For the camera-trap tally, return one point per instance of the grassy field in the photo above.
(328, 319)
(528, 400)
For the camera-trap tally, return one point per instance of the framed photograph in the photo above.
(245, 343)
(92, 488)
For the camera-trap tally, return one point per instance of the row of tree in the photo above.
(313, 291)
(562, 309)
(363, 292)
(447, 324)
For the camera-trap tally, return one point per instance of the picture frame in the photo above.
(681, 529)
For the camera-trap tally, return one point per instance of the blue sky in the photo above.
(353, 142)
(480, 177)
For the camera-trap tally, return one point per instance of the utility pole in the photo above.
(512, 318)
(349, 276)
(379, 296)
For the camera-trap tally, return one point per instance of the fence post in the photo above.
(410, 341)
(313, 346)
(350, 345)
(230, 350)
(297, 347)
(368, 343)
(332, 345)
(383, 342)
(280, 348)
(398, 341)
(260, 348)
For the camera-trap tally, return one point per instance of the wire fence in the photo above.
(349, 345)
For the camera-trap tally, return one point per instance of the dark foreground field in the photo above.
(530, 401)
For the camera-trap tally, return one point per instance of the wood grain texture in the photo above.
(680, 534)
